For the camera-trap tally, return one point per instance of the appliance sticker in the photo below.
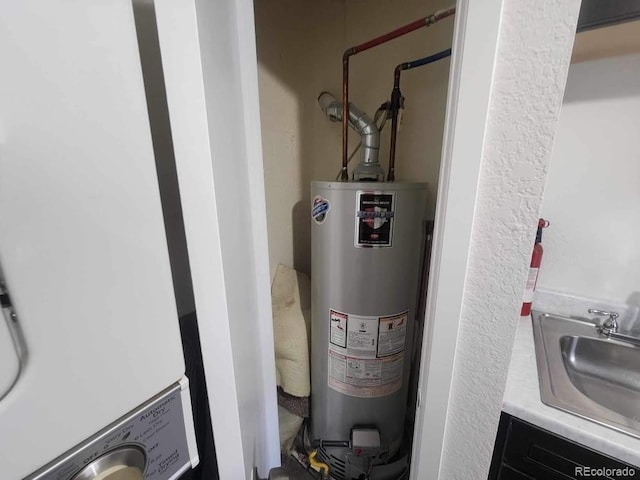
(319, 209)
(374, 219)
(392, 334)
(366, 353)
(338, 328)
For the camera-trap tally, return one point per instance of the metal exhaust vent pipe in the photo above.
(369, 168)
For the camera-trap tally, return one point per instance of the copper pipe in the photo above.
(398, 32)
(396, 99)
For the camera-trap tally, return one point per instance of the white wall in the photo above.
(592, 198)
(300, 47)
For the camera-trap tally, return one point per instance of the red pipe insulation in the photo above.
(398, 32)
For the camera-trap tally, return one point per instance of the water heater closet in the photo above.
(367, 243)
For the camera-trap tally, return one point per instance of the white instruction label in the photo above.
(392, 334)
(530, 288)
(366, 353)
(362, 336)
(338, 329)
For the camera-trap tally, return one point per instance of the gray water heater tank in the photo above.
(366, 249)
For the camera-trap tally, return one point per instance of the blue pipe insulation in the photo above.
(397, 102)
(426, 60)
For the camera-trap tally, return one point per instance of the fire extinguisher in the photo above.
(532, 278)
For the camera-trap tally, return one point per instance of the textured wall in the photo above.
(592, 197)
(529, 78)
(300, 46)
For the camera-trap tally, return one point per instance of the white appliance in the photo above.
(90, 330)
(149, 443)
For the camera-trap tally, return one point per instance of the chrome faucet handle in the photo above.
(610, 325)
(612, 315)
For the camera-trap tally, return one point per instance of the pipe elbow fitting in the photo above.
(330, 106)
(367, 129)
(359, 121)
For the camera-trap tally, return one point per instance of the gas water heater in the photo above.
(366, 249)
(367, 242)
(367, 239)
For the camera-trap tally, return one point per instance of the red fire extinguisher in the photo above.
(536, 260)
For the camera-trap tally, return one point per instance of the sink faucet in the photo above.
(610, 325)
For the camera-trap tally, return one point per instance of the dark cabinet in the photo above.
(526, 452)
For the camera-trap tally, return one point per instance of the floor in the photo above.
(292, 470)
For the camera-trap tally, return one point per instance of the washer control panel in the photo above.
(152, 439)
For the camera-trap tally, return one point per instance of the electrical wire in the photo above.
(318, 464)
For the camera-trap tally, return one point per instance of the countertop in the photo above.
(522, 400)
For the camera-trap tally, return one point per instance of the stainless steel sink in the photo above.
(588, 374)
